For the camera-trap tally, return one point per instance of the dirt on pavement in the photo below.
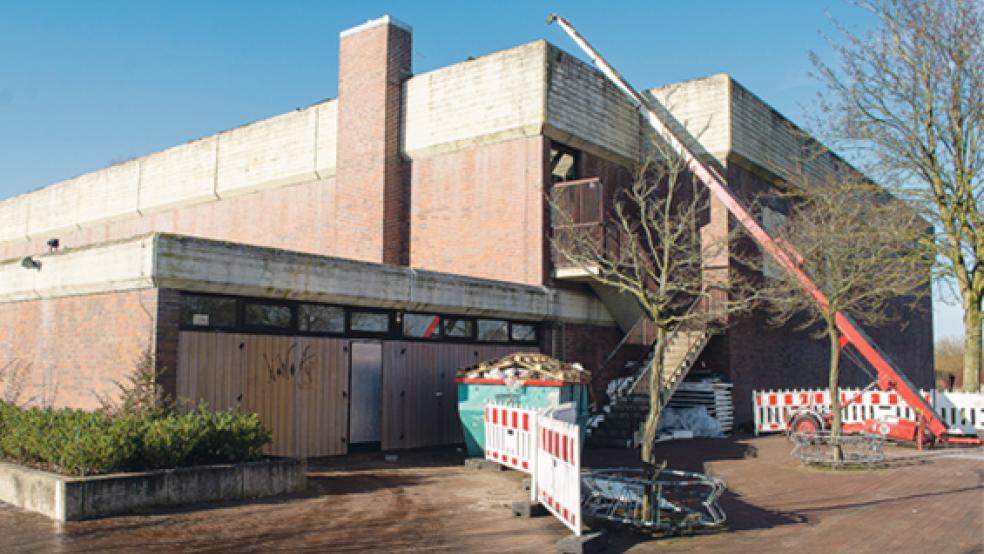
(429, 501)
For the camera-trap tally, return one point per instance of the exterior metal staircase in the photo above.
(624, 416)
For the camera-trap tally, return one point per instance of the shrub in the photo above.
(79, 443)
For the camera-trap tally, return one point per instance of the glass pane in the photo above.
(458, 327)
(370, 322)
(421, 325)
(208, 311)
(493, 330)
(321, 319)
(267, 315)
(523, 332)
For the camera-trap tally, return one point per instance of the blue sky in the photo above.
(86, 84)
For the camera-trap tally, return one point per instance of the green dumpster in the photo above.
(474, 393)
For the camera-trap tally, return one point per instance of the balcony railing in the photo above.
(579, 214)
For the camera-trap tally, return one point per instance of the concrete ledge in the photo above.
(76, 498)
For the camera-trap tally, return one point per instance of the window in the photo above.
(312, 318)
(772, 222)
(276, 316)
(460, 328)
(493, 330)
(422, 326)
(523, 332)
(208, 311)
(563, 163)
(370, 322)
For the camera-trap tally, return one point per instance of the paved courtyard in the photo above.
(427, 501)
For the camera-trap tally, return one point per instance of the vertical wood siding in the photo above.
(298, 386)
(295, 385)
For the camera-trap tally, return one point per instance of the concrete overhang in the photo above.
(203, 265)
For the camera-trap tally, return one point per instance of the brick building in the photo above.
(330, 267)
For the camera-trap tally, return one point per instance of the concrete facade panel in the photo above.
(585, 110)
(53, 209)
(268, 153)
(702, 107)
(495, 97)
(109, 194)
(13, 219)
(178, 176)
(327, 143)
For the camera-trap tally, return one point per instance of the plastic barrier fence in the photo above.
(963, 412)
(510, 436)
(558, 467)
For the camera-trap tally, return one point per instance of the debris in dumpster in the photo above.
(523, 366)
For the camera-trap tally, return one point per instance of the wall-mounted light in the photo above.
(53, 244)
(30, 263)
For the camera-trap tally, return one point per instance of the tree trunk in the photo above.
(652, 418)
(972, 343)
(834, 385)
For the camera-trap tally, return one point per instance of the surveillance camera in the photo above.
(30, 263)
(54, 243)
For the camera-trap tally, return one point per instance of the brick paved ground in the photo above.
(429, 502)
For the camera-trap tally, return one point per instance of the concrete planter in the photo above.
(75, 498)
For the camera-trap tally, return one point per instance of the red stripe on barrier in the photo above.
(515, 420)
(495, 456)
(526, 465)
(758, 399)
(772, 400)
(495, 416)
(875, 398)
(804, 398)
(563, 451)
(787, 399)
(514, 462)
(567, 514)
(893, 399)
(526, 422)
(818, 398)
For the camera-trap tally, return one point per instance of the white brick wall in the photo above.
(583, 107)
(495, 97)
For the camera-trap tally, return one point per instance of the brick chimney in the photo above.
(372, 178)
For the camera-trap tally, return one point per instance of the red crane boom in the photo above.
(888, 375)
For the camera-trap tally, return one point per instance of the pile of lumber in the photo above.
(711, 393)
(527, 366)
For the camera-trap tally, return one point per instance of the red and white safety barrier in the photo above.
(544, 443)
(510, 436)
(964, 412)
(558, 467)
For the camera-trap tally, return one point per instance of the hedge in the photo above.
(77, 442)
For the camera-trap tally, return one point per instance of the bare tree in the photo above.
(910, 99)
(650, 246)
(860, 246)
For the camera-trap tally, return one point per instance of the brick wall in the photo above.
(166, 340)
(76, 348)
(480, 211)
(763, 356)
(589, 345)
(371, 201)
(298, 217)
